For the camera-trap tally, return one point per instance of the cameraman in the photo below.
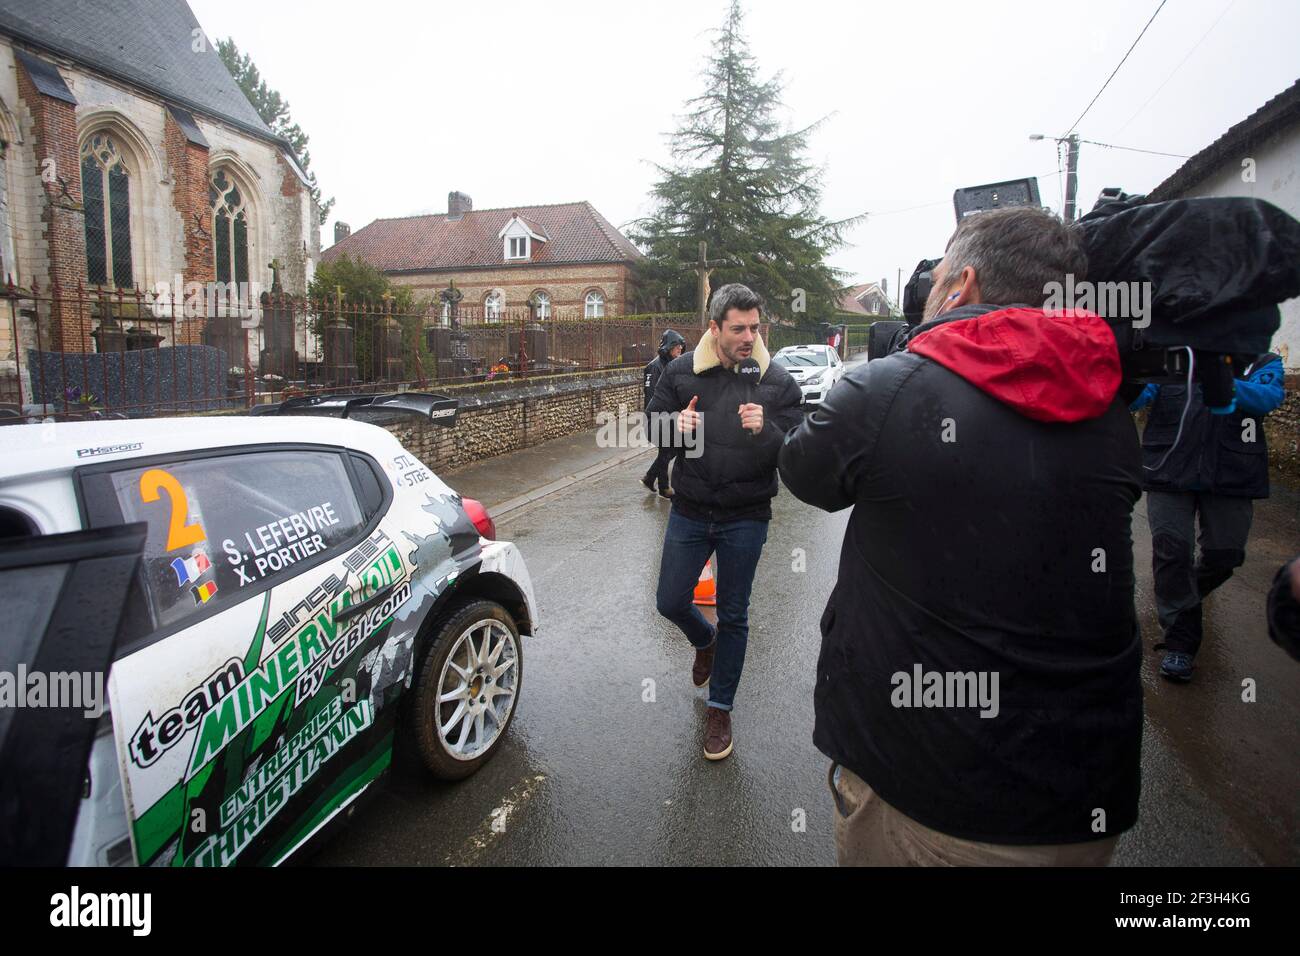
(978, 685)
(1206, 467)
(671, 345)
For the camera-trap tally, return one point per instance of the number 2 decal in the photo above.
(179, 534)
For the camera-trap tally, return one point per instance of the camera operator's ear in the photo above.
(967, 291)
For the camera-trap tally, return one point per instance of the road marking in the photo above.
(496, 823)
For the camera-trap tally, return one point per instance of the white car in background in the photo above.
(814, 368)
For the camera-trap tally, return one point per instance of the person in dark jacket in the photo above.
(978, 685)
(1283, 608)
(1202, 468)
(671, 345)
(722, 498)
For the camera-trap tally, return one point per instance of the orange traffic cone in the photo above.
(706, 591)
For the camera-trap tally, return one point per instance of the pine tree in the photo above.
(274, 110)
(741, 182)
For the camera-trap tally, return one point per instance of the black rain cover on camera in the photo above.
(1216, 266)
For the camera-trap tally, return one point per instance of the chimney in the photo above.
(457, 205)
(341, 231)
(884, 287)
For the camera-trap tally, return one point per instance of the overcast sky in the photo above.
(545, 101)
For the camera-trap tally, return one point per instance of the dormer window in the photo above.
(519, 238)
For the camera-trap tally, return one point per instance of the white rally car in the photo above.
(814, 368)
(307, 591)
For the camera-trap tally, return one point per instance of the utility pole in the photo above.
(1071, 174)
(1071, 169)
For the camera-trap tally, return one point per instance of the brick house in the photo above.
(130, 158)
(567, 255)
(869, 299)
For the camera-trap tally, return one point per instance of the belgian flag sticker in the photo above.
(203, 592)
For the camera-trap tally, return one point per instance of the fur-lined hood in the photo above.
(706, 354)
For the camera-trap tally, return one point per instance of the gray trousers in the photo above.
(1183, 578)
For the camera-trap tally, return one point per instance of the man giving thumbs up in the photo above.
(723, 494)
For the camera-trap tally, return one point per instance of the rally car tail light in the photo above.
(482, 520)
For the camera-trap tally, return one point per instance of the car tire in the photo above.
(475, 719)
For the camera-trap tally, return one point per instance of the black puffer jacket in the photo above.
(650, 377)
(992, 474)
(735, 476)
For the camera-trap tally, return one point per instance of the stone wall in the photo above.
(495, 420)
(1282, 428)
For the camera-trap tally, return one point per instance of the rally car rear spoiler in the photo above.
(439, 409)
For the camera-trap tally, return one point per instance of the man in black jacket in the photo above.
(722, 498)
(671, 345)
(978, 685)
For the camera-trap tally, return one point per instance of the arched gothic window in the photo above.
(106, 199)
(229, 228)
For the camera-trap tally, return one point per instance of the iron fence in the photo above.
(94, 352)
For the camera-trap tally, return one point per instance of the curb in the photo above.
(560, 484)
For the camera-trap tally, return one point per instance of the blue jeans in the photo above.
(687, 545)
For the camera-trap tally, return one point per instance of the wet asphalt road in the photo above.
(594, 773)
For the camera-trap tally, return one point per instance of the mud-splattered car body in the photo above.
(292, 570)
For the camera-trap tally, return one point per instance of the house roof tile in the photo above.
(577, 234)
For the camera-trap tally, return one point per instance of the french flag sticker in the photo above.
(191, 568)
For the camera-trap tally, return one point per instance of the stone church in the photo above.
(129, 158)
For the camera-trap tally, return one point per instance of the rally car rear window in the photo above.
(222, 528)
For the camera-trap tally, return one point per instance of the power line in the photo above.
(1231, 4)
(946, 202)
(1133, 149)
(1116, 70)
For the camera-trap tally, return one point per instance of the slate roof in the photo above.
(578, 234)
(1279, 113)
(147, 43)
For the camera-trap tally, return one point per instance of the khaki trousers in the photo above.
(870, 832)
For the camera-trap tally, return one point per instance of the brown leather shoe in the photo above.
(717, 734)
(703, 668)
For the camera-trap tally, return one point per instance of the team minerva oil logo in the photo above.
(231, 697)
